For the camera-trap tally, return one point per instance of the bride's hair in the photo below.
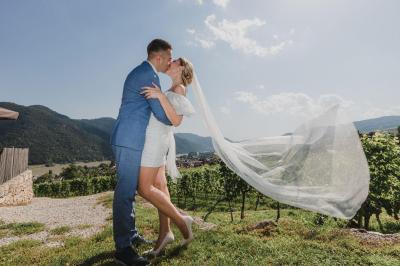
(187, 72)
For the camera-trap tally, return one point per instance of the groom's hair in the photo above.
(157, 45)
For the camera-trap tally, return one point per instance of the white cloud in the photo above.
(205, 43)
(298, 104)
(374, 112)
(225, 110)
(198, 40)
(235, 34)
(303, 105)
(221, 3)
(226, 107)
(246, 97)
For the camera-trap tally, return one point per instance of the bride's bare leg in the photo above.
(159, 199)
(165, 226)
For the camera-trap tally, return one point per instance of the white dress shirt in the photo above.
(155, 70)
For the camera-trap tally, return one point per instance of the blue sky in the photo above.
(264, 65)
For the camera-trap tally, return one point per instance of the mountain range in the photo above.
(386, 123)
(53, 137)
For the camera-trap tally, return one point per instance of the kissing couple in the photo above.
(143, 144)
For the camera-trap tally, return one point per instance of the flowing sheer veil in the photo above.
(320, 167)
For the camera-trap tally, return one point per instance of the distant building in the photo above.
(195, 159)
(193, 154)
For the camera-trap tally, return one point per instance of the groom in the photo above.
(127, 140)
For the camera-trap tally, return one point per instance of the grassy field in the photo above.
(296, 240)
(40, 169)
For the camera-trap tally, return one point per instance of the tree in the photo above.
(47, 177)
(383, 154)
(72, 171)
(196, 180)
(233, 187)
(211, 184)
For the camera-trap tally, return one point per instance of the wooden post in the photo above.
(2, 166)
(13, 161)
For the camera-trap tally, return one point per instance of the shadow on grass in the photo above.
(103, 259)
(107, 258)
(168, 255)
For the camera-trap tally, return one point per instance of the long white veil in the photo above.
(320, 167)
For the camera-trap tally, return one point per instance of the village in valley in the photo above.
(196, 159)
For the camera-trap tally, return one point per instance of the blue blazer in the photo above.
(134, 114)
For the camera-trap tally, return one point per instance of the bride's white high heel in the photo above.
(169, 238)
(188, 221)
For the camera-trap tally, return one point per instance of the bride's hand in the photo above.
(152, 92)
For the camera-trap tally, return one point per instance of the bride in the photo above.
(320, 166)
(160, 140)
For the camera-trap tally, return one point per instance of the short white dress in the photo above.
(160, 139)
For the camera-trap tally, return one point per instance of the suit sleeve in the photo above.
(157, 109)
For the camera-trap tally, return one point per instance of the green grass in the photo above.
(295, 241)
(19, 229)
(83, 226)
(106, 200)
(60, 230)
(3, 233)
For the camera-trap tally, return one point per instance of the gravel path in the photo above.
(375, 238)
(82, 214)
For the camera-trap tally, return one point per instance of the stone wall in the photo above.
(18, 190)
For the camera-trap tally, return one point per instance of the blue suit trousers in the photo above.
(128, 168)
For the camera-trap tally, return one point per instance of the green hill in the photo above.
(380, 123)
(188, 142)
(53, 137)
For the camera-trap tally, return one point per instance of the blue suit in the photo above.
(127, 140)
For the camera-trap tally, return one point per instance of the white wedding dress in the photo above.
(160, 141)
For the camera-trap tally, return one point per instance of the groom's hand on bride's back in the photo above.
(152, 92)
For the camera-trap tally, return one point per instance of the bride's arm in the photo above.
(169, 110)
(175, 119)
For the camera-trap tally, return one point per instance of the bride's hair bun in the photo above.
(187, 72)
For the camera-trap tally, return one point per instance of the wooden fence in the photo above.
(13, 161)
